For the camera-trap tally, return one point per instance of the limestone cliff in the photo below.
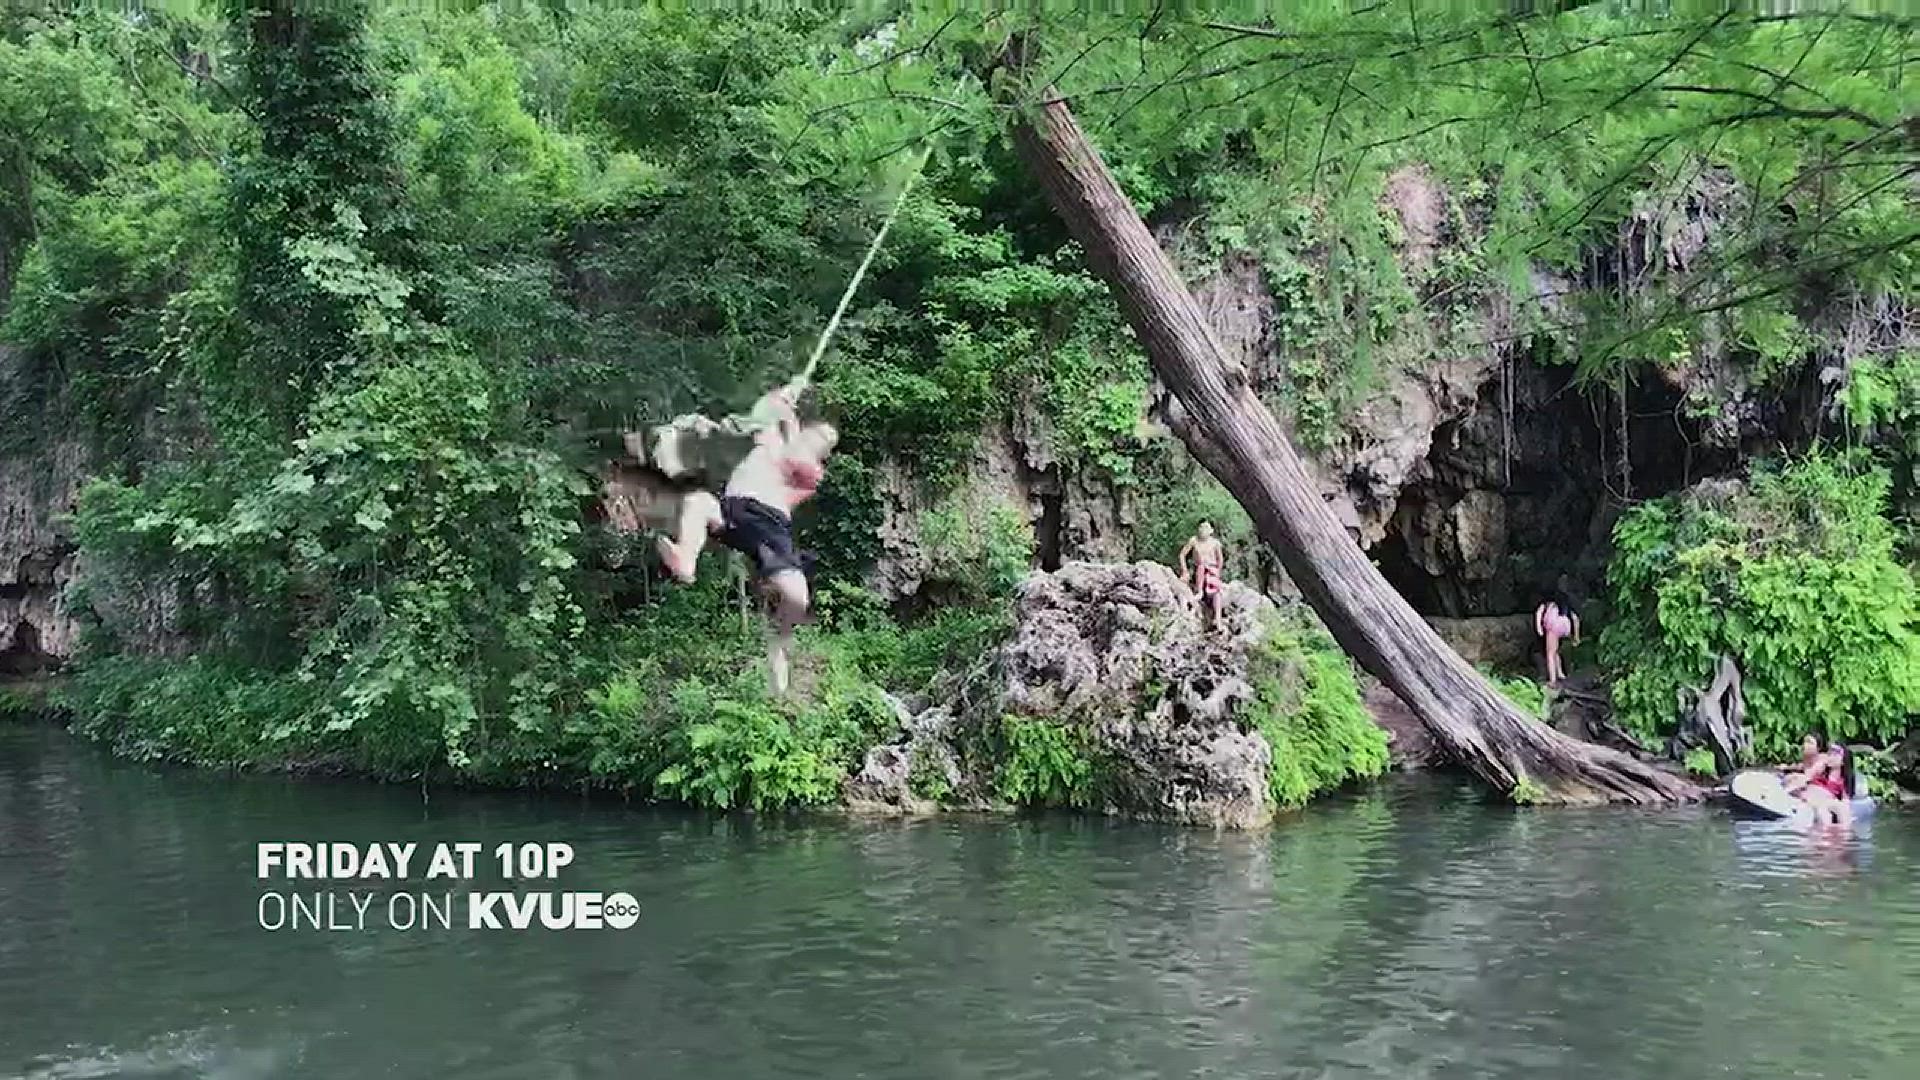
(37, 556)
(1473, 466)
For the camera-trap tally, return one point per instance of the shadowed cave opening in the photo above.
(1520, 496)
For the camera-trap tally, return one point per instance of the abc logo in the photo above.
(620, 910)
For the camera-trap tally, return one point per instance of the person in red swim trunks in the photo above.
(1209, 557)
(754, 516)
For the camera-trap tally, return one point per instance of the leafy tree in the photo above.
(321, 173)
(1793, 576)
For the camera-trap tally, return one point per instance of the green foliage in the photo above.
(109, 219)
(1047, 764)
(1527, 793)
(1700, 762)
(198, 710)
(732, 753)
(1795, 577)
(319, 184)
(1528, 696)
(20, 703)
(927, 780)
(693, 722)
(1172, 506)
(951, 638)
(975, 547)
(1881, 393)
(1540, 132)
(988, 326)
(842, 522)
(1881, 402)
(347, 297)
(1877, 769)
(721, 743)
(1307, 706)
(425, 552)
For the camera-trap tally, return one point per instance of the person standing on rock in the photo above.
(1555, 620)
(1209, 558)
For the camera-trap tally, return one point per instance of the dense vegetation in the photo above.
(350, 305)
(1793, 574)
(1308, 707)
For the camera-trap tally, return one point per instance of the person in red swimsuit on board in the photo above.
(754, 516)
(1826, 784)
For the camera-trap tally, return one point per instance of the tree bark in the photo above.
(1236, 438)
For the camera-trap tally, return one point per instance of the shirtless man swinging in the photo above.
(754, 516)
(1208, 559)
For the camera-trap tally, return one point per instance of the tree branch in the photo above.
(1775, 107)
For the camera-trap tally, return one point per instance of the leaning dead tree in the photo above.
(1232, 433)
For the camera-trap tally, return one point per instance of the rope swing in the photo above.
(799, 385)
(804, 381)
(820, 347)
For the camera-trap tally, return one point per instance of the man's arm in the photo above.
(1576, 629)
(785, 402)
(779, 404)
(1184, 552)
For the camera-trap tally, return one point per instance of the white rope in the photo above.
(801, 384)
(853, 286)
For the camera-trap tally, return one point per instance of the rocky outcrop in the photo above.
(1500, 641)
(37, 556)
(911, 773)
(1119, 648)
(41, 473)
(1473, 467)
(1117, 653)
(1383, 441)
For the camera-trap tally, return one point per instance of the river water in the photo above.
(1410, 931)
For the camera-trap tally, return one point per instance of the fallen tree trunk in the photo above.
(1232, 433)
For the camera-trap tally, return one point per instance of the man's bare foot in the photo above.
(671, 559)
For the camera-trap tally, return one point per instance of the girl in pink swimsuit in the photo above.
(1555, 620)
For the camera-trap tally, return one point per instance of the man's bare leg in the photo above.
(787, 589)
(699, 518)
(779, 658)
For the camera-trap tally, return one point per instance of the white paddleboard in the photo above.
(1762, 792)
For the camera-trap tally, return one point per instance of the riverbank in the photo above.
(1097, 690)
(26, 699)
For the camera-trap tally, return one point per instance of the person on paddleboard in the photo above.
(1826, 784)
